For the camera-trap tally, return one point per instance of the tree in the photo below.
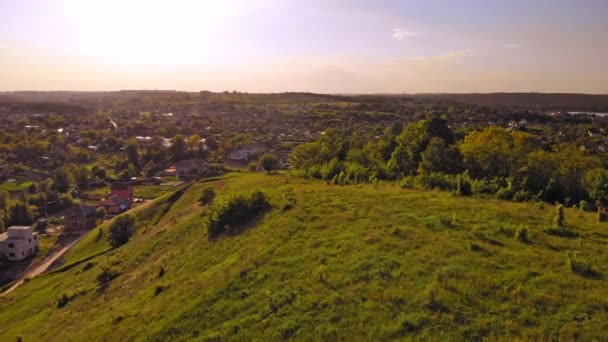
(193, 143)
(82, 176)
(3, 199)
(178, 147)
(487, 153)
(401, 162)
(100, 172)
(132, 151)
(21, 214)
(121, 230)
(63, 179)
(306, 155)
(599, 186)
(440, 157)
(156, 151)
(269, 162)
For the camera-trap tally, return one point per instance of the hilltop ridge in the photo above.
(371, 261)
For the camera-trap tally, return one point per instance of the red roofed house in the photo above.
(122, 190)
(115, 205)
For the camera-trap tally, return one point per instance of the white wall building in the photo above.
(19, 242)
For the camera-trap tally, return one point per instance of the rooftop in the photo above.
(19, 228)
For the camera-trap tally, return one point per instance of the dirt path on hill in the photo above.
(42, 267)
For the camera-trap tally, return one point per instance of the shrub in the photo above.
(121, 230)
(435, 180)
(559, 219)
(331, 169)
(207, 196)
(106, 276)
(504, 194)
(252, 167)
(581, 267)
(158, 290)
(269, 162)
(463, 185)
(584, 205)
(521, 234)
(63, 300)
(226, 216)
(289, 200)
(559, 227)
(521, 196)
(562, 232)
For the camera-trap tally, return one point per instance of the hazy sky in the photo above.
(332, 46)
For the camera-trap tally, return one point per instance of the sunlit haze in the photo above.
(330, 46)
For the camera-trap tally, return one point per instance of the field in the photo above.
(340, 263)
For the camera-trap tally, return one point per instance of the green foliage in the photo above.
(252, 167)
(229, 215)
(559, 220)
(522, 234)
(581, 267)
(599, 187)
(106, 276)
(207, 196)
(121, 230)
(63, 179)
(463, 185)
(269, 162)
(21, 214)
(360, 271)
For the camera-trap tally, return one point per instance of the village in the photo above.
(67, 166)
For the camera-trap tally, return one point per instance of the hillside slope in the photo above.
(372, 262)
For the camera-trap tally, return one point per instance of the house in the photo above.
(18, 242)
(122, 190)
(115, 205)
(188, 169)
(80, 217)
(247, 152)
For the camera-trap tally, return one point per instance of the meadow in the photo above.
(327, 262)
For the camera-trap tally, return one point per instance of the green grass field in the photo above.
(358, 262)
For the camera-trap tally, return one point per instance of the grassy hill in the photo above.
(366, 262)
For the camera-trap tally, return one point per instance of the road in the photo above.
(42, 267)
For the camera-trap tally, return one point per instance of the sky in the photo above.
(326, 46)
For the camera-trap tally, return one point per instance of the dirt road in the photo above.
(42, 267)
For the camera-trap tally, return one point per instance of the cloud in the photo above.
(401, 34)
(512, 46)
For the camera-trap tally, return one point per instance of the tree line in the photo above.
(508, 164)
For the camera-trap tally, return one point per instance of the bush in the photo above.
(562, 232)
(269, 162)
(581, 267)
(121, 230)
(521, 196)
(225, 217)
(207, 196)
(559, 227)
(463, 185)
(252, 167)
(559, 220)
(106, 276)
(504, 194)
(158, 290)
(584, 205)
(521, 234)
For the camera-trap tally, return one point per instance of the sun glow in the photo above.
(149, 32)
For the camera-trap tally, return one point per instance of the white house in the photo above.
(19, 242)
